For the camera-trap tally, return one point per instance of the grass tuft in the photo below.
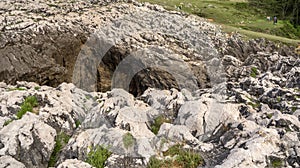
(254, 72)
(77, 123)
(7, 122)
(158, 121)
(28, 105)
(180, 158)
(18, 88)
(98, 156)
(128, 140)
(61, 140)
(37, 88)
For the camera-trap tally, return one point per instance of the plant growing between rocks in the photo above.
(254, 72)
(128, 140)
(179, 158)
(276, 162)
(28, 105)
(37, 88)
(18, 88)
(60, 141)
(7, 122)
(158, 121)
(77, 123)
(98, 156)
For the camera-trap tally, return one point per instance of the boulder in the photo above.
(28, 140)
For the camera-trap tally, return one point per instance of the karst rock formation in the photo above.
(100, 71)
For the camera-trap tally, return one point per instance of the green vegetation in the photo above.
(37, 88)
(294, 109)
(128, 140)
(237, 15)
(254, 104)
(287, 9)
(28, 105)
(278, 99)
(276, 162)
(53, 5)
(61, 140)
(254, 72)
(180, 158)
(77, 123)
(158, 121)
(7, 122)
(98, 156)
(270, 115)
(18, 88)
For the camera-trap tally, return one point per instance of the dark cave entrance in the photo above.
(147, 78)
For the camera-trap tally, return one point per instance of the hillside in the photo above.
(117, 83)
(237, 15)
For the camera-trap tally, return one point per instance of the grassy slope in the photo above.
(234, 15)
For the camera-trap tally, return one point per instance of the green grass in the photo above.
(236, 16)
(252, 34)
(294, 108)
(270, 115)
(37, 88)
(128, 140)
(98, 156)
(276, 162)
(77, 123)
(254, 72)
(254, 105)
(60, 141)
(181, 158)
(18, 88)
(28, 105)
(7, 122)
(158, 121)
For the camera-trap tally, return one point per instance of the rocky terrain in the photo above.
(134, 81)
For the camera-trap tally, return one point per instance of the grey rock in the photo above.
(28, 140)
(74, 163)
(9, 162)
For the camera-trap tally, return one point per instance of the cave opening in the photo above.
(150, 77)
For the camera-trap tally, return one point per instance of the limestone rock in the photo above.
(10, 162)
(28, 140)
(74, 163)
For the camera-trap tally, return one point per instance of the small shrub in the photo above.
(254, 72)
(181, 158)
(128, 140)
(98, 156)
(157, 123)
(294, 109)
(60, 141)
(28, 105)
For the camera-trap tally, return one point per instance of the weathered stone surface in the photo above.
(74, 163)
(9, 162)
(28, 140)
